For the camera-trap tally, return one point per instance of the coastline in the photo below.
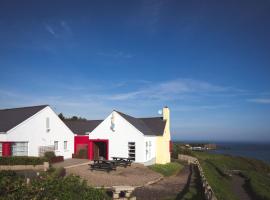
(254, 150)
(259, 151)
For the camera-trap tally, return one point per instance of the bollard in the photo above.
(46, 166)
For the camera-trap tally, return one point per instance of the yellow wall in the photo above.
(163, 142)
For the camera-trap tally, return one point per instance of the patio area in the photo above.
(134, 175)
(73, 162)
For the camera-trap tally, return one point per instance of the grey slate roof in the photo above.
(148, 126)
(81, 127)
(10, 118)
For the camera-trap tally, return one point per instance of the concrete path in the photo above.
(73, 162)
(168, 187)
(237, 187)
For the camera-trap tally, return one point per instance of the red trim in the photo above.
(6, 149)
(79, 139)
(91, 151)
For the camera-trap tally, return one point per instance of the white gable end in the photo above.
(43, 129)
(119, 137)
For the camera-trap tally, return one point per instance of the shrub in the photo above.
(59, 172)
(7, 173)
(56, 159)
(48, 187)
(49, 155)
(180, 149)
(21, 160)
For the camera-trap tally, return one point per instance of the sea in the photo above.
(260, 151)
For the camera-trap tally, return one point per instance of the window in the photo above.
(132, 150)
(146, 150)
(1, 149)
(148, 146)
(19, 148)
(65, 145)
(56, 145)
(47, 123)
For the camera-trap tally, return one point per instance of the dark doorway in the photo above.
(100, 150)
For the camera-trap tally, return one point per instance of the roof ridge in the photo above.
(138, 119)
(24, 107)
(91, 120)
(150, 117)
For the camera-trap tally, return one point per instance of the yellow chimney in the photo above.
(163, 142)
(166, 116)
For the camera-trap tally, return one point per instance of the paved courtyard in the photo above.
(134, 175)
(71, 162)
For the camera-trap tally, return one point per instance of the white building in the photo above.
(144, 140)
(30, 131)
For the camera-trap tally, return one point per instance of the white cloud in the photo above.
(170, 90)
(59, 28)
(50, 30)
(260, 100)
(65, 26)
(103, 97)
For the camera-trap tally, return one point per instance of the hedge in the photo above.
(21, 160)
(47, 187)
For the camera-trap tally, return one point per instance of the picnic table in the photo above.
(106, 165)
(109, 165)
(120, 161)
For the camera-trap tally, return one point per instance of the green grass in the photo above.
(168, 169)
(258, 184)
(215, 167)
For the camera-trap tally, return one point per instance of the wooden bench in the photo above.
(105, 165)
(120, 161)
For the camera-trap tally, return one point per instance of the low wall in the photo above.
(43, 167)
(208, 191)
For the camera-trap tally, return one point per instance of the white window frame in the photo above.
(47, 124)
(65, 145)
(56, 145)
(146, 150)
(150, 147)
(1, 147)
(19, 148)
(132, 150)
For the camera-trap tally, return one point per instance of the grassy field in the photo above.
(216, 167)
(168, 169)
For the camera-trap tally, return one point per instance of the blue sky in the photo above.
(209, 61)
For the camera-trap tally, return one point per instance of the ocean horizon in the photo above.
(256, 150)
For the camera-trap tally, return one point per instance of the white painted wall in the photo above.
(33, 130)
(118, 139)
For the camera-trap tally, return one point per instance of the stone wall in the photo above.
(43, 167)
(208, 191)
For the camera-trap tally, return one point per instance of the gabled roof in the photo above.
(9, 118)
(148, 126)
(81, 127)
